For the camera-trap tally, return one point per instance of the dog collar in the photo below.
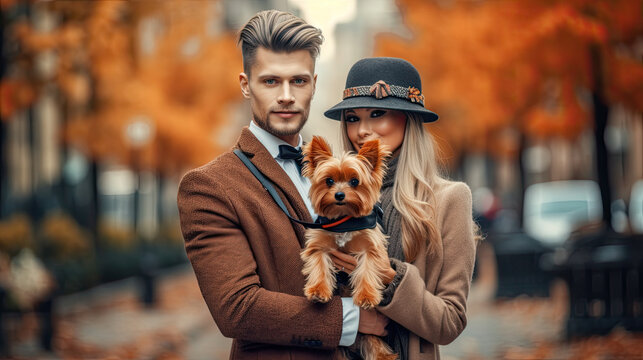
(349, 223)
(340, 225)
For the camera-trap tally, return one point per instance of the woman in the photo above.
(428, 219)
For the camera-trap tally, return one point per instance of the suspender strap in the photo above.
(271, 189)
(345, 224)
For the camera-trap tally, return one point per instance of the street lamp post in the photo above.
(139, 131)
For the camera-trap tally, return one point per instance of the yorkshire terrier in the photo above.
(343, 188)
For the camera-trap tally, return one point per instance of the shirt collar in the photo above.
(268, 140)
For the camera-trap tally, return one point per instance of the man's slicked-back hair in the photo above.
(277, 31)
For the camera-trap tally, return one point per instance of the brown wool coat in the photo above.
(430, 300)
(245, 254)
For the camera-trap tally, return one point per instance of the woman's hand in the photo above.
(372, 322)
(347, 263)
(343, 261)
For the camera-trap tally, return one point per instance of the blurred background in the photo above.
(104, 105)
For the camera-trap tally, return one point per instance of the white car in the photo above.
(552, 210)
(636, 207)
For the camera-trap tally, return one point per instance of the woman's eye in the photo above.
(354, 182)
(330, 182)
(350, 119)
(377, 113)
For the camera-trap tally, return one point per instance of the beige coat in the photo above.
(430, 300)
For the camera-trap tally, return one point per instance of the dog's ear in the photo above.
(316, 151)
(374, 154)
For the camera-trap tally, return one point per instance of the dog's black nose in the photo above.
(339, 196)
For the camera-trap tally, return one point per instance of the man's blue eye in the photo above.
(270, 81)
(299, 81)
(330, 182)
(354, 182)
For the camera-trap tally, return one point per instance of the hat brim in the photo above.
(390, 102)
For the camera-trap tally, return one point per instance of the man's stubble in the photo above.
(265, 124)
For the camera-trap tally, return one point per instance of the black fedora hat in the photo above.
(385, 83)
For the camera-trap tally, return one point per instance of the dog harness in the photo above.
(341, 225)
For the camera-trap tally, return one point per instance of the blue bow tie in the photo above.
(288, 152)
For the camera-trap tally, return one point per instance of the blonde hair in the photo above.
(413, 196)
(277, 31)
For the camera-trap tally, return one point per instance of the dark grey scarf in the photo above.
(398, 336)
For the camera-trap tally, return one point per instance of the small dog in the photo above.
(344, 187)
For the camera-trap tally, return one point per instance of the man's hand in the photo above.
(372, 322)
(347, 263)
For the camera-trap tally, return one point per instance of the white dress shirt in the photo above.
(271, 143)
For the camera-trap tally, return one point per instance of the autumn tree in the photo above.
(166, 64)
(492, 65)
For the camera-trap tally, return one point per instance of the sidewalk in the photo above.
(529, 328)
(109, 322)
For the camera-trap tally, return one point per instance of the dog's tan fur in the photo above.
(368, 246)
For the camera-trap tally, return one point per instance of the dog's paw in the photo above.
(320, 299)
(318, 293)
(367, 300)
(366, 304)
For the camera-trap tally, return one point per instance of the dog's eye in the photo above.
(354, 182)
(330, 182)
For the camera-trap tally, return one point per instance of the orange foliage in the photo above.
(626, 81)
(184, 95)
(15, 94)
(118, 61)
(488, 65)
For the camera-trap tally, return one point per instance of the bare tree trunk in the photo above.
(522, 146)
(601, 111)
(3, 154)
(3, 168)
(34, 210)
(95, 204)
(160, 210)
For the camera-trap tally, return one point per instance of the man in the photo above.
(243, 248)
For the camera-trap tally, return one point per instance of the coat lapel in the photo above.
(262, 159)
